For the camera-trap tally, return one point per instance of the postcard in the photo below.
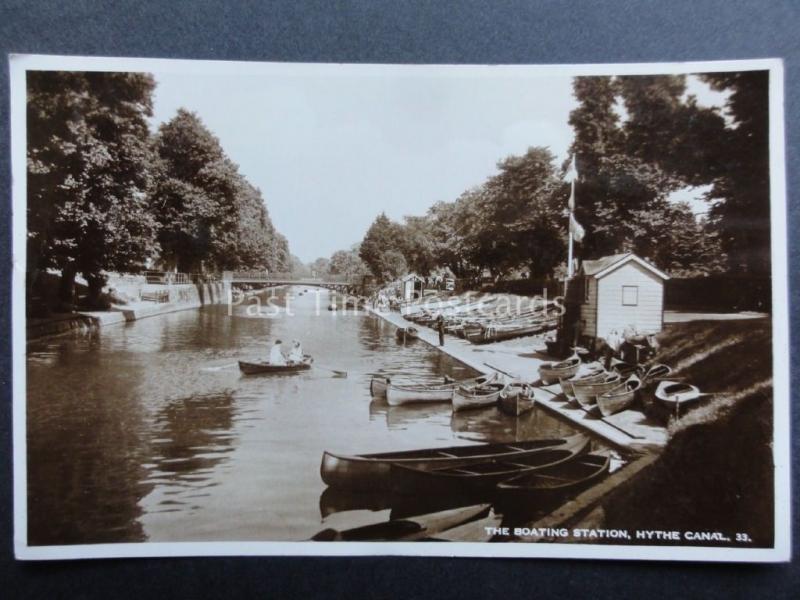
(359, 309)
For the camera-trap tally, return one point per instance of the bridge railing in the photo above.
(282, 277)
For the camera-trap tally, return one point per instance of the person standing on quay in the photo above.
(440, 329)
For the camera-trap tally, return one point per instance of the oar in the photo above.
(220, 368)
(506, 373)
(336, 372)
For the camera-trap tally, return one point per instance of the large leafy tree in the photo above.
(382, 245)
(349, 264)
(89, 175)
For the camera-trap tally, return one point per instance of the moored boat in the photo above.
(477, 396)
(586, 392)
(398, 394)
(559, 479)
(552, 372)
(407, 479)
(264, 367)
(377, 386)
(620, 398)
(516, 400)
(371, 471)
(406, 529)
(407, 333)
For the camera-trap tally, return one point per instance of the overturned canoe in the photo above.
(398, 394)
(516, 400)
(552, 372)
(477, 396)
(370, 472)
(620, 398)
(407, 479)
(408, 529)
(258, 368)
(569, 476)
(586, 392)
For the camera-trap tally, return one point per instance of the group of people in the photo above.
(277, 356)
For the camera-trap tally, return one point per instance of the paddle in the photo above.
(336, 372)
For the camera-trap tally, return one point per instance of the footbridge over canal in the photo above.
(331, 282)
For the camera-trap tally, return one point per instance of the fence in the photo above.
(170, 277)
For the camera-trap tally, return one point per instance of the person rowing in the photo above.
(276, 357)
(296, 353)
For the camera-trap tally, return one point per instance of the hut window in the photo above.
(630, 295)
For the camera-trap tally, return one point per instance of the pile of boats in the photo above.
(491, 318)
(507, 474)
(617, 389)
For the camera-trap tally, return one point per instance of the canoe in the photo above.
(590, 376)
(370, 472)
(398, 394)
(477, 396)
(407, 529)
(570, 476)
(516, 400)
(676, 394)
(258, 368)
(407, 333)
(656, 371)
(552, 372)
(377, 386)
(586, 392)
(620, 398)
(486, 334)
(407, 479)
(472, 531)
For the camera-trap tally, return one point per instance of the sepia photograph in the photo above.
(359, 309)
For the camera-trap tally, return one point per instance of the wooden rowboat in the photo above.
(586, 392)
(559, 479)
(407, 333)
(369, 472)
(620, 398)
(407, 479)
(516, 400)
(676, 394)
(656, 371)
(478, 396)
(398, 394)
(262, 368)
(552, 372)
(407, 529)
(592, 376)
(377, 386)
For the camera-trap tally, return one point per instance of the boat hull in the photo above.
(468, 399)
(263, 368)
(620, 398)
(377, 386)
(586, 393)
(516, 402)
(398, 395)
(552, 372)
(569, 477)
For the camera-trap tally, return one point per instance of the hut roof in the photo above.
(603, 266)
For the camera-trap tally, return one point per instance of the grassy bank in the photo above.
(716, 472)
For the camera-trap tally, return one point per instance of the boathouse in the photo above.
(619, 292)
(411, 287)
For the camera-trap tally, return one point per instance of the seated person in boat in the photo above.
(276, 356)
(296, 353)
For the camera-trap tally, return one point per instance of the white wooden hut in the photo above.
(411, 287)
(621, 291)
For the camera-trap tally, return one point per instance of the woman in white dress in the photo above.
(296, 353)
(276, 357)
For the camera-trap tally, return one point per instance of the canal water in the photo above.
(148, 432)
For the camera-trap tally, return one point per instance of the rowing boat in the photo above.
(477, 396)
(370, 472)
(398, 394)
(377, 386)
(656, 371)
(626, 369)
(259, 368)
(552, 372)
(558, 479)
(676, 394)
(516, 400)
(404, 333)
(590, 376)
(407, 529)
(586, 392)
(620, 398)
(408, 479)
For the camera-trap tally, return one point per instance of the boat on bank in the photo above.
(620, 398)
(406, 529)
(677, 395)
(408, 479)
(477, 396)
(557, 480)
(586, 392)
(265, 368)
(591, 375)
(552, 372)
(371, 471)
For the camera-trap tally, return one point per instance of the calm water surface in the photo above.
(148, 432)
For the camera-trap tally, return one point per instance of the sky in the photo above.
(330, 150)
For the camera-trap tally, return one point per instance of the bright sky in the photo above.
(330, 153)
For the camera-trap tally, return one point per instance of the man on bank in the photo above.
(440, 329)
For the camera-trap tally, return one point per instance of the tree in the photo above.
(89, 175)
(349, 264)
(383, 238)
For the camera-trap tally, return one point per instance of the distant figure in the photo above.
(276, 356)
(440, 329)
(296, 353)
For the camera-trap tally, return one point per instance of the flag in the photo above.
(572, 172)
(575, 228)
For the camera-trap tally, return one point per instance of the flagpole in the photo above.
(569, 251)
